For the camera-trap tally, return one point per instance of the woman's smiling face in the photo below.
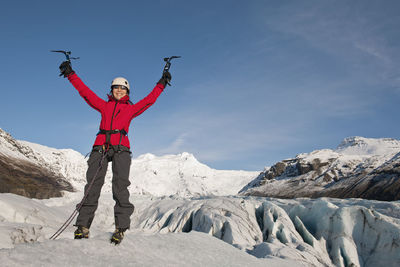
(119, 91)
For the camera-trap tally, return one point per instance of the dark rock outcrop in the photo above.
(382, 183)
(27, 179)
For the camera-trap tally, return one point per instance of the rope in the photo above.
(79, 206)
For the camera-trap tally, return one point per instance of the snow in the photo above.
(374, 151)
(183, 175)
(357, 145)
(357, 148)
(10, 147)
(66, 162)
(212, 231)
(189, 249)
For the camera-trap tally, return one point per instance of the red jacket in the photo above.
(115, 114)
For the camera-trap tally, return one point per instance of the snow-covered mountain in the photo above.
(23, 171)
(171, 231)
(358, 167)
(181, 174)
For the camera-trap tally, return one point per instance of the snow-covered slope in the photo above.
(191, 249)
(180, 174)
(359, 167)
(183, 175)
(24, 171)
(273, 232)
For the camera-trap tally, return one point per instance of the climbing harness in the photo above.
(108, 134)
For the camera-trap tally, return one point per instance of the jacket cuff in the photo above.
(72, 75)
(162, 86)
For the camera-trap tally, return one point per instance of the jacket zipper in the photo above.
(117, 113)
(112, 117)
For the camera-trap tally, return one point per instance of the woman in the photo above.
(111, 144)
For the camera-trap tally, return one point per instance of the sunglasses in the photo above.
(119, 87)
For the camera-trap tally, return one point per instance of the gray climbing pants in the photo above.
(123, 209)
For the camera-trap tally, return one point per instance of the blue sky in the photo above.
(259, 81)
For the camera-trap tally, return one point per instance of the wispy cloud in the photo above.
(338, 28)
(373, 49)
(177, 146)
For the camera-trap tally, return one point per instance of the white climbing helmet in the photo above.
(120, 81)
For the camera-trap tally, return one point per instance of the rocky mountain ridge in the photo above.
(359, 168)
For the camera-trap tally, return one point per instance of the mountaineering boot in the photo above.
(81, 232)
(117, 236)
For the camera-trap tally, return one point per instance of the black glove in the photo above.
(166, 78)
(66, 69)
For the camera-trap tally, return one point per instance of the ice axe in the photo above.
(66, 53)
(168, 64)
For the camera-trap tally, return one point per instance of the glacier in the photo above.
(296, 232)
